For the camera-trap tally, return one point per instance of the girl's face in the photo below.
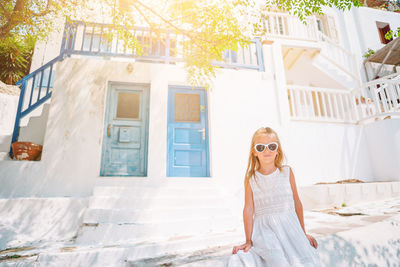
(266, 157)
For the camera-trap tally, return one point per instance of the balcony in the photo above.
(158, 46)
(378, 99)
(285, 26)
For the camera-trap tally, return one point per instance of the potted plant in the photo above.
(26, 151)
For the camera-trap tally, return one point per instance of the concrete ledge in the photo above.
(326, 196)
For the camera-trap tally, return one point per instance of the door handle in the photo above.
(204, 133)
(109, 130)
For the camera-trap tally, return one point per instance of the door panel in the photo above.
(125, 136)
(187, 139)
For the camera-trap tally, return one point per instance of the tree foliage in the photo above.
(210, 27)
(15, 57)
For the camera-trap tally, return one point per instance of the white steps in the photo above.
(153, 202)
(5, 142)
(128, 254)
(148, 215)
(123, 233)
(214, 257)
(153, 191)
(35, 129)
(131, 214)
(330, 69)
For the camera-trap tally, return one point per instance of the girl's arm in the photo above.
(297, 203)
(248, 212)
(299, 209)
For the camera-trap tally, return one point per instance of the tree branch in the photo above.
(171, 24)
(44, 12)
(13, 20)
(5, 11)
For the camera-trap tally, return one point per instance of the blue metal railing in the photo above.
(95, 39)
(36, 89)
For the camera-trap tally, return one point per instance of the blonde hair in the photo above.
(254, 162)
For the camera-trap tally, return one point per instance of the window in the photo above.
(326, 24)
(128, 105)
(383, 28)
(187, 108)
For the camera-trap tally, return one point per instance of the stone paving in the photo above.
(367, 234)
(325, 225)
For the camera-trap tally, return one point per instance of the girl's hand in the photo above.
(246, 246)
(312, 240)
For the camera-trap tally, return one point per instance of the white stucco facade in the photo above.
(240, 102)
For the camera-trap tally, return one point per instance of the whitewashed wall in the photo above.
(8, 109)
(72, 147)
(383, 140)
(240, 102)
(361, 30)
(304, 73)
(48, 49)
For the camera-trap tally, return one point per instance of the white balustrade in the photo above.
(378, 98)
(286, 26)
(320, 104)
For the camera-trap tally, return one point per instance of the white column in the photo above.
(280, 83)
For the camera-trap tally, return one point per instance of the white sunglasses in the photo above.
(273, 146)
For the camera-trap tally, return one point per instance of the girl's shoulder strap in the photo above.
(287, 168)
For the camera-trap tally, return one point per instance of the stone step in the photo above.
(5, 142)
(128, 254)
(151, 215)
(99, 202)
(324, 196)
(212, 257)
(4, 156)
(221, 261)
(111, 233)
(153, 191)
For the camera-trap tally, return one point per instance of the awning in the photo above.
(391, 59)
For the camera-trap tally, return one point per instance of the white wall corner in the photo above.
(280, 83)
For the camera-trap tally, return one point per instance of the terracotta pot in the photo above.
(26, 151)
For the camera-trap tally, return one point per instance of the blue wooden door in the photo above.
(187, 139)
(125, 137)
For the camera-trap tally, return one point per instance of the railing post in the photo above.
(260, 59)
(63, 41)
(18, 116)
(315, 29)
(167, 47)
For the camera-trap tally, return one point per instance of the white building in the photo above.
(182, 152)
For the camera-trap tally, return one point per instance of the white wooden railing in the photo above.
(320, 104)
(283, 25)
(378, 98)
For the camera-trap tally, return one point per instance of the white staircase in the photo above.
(132, 215)
(330, 68)
(32, 129)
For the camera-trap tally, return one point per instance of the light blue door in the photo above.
(187, 139)
(125, 137)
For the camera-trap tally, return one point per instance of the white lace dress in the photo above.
(278, 239)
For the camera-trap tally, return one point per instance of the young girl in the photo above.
(273, 213)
